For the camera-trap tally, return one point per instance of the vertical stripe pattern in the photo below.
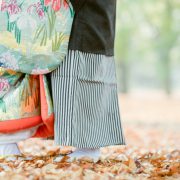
(84, 90)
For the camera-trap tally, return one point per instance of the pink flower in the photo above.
(56, 4)
(4, 87)
(39, 9)
(3, 6)
(11, 8)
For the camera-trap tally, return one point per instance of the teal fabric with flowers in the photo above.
(34, 34)
(34, 37)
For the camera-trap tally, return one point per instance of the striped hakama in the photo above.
(84, 91)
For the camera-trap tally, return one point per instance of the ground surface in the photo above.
(151, 124)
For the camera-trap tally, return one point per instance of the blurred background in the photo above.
(148, 70)
(148, 45)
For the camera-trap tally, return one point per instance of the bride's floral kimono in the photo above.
(34, 36)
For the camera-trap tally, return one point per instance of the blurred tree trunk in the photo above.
(164, 42)
(123, 40)
(167, 41)
(166, 72)
(124, 76)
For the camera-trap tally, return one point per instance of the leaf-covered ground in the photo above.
(153, 152)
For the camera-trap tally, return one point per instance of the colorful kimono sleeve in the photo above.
(34, 37)
(34, 34)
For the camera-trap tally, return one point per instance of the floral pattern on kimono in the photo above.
(34, 37)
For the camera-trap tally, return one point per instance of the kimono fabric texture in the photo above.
(84, 91)
(34, 38)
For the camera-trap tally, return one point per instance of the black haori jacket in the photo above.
(93, 29)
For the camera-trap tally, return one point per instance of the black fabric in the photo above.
(48, 76)
(77, 4)
(93, 28)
